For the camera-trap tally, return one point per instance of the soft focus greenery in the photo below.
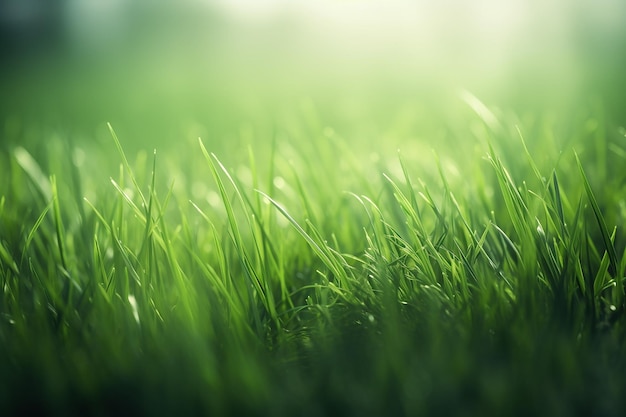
(205, 211)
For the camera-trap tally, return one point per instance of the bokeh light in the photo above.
(154, 61)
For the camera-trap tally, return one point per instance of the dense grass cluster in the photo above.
(318, 278)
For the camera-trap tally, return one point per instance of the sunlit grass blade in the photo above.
(8, 259)
(35, 228)
(237, 238)
(604, 231)
(127, 166)
(319, 248)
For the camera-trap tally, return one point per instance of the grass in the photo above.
(317, 276)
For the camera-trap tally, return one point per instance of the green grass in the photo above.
(318, 275)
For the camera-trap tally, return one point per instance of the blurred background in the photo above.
(164, 70)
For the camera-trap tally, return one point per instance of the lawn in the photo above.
(241, 237)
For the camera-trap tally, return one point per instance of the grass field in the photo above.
(377, 251)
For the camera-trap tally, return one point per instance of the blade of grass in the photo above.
(604, 231)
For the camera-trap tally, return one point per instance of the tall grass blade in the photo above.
(604, 231)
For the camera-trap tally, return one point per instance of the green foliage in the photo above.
(321, 290)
